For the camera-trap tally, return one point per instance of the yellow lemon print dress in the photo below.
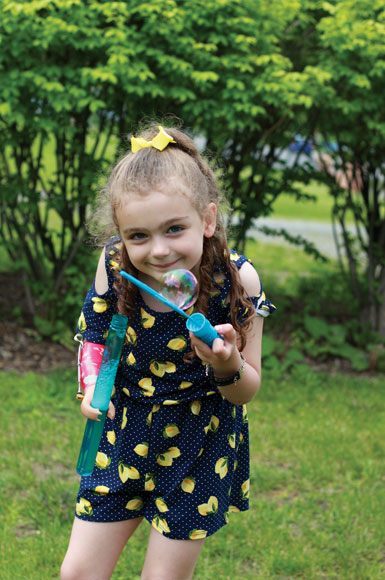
(176, 452)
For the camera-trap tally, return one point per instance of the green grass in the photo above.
(317, 210)
(286, 207)
(284, 259)
(282, 268)
(317, 493)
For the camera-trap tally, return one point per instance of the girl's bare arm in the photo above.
(224, 356)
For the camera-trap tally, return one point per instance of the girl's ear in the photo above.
(210, 220)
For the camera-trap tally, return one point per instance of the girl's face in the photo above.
(163, 231)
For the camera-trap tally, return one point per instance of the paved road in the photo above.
(319, 233)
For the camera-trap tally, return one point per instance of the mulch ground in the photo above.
(22, 350)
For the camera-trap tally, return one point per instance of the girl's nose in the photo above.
(160, 248)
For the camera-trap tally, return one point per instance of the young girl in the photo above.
(175, 444)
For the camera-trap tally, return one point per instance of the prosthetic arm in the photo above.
(89, 360)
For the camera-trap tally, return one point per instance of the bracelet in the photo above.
(226, 381)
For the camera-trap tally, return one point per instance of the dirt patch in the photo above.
(22, 350)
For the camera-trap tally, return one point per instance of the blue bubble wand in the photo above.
(196, 323)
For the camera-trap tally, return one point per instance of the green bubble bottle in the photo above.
(102, 394)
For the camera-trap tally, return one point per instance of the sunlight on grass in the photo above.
(276, 258)
(286, 207)
(281, 267)
(317, 495)
(318, 210)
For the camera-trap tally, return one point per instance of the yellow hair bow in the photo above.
(160, 141)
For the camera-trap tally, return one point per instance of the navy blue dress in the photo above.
(176, 452)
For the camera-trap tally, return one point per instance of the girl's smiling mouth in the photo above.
(165, 266)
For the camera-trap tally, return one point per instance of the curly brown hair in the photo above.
(179, 165)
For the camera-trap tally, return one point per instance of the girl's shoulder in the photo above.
(252, 284)
(223, 274)
(112, 248)
(107, 267)
(248, 275)
(238, 259)
(112, 256)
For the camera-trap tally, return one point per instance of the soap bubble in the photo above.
(180, 287)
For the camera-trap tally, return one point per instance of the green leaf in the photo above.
(358, 358)
(316, 327)
(337, 333)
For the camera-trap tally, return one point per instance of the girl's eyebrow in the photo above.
(161, 225)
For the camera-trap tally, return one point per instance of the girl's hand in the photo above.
(223, 355)
(91, 412)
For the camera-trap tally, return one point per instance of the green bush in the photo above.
(317, 319)
(77, 77)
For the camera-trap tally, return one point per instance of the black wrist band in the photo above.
(226, 381)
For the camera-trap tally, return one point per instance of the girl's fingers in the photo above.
(220, 349)
(111, 411)
(90, 413)
(227, 331)
(198, 345)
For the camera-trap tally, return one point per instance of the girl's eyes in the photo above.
(139, 236)
(175, 229)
